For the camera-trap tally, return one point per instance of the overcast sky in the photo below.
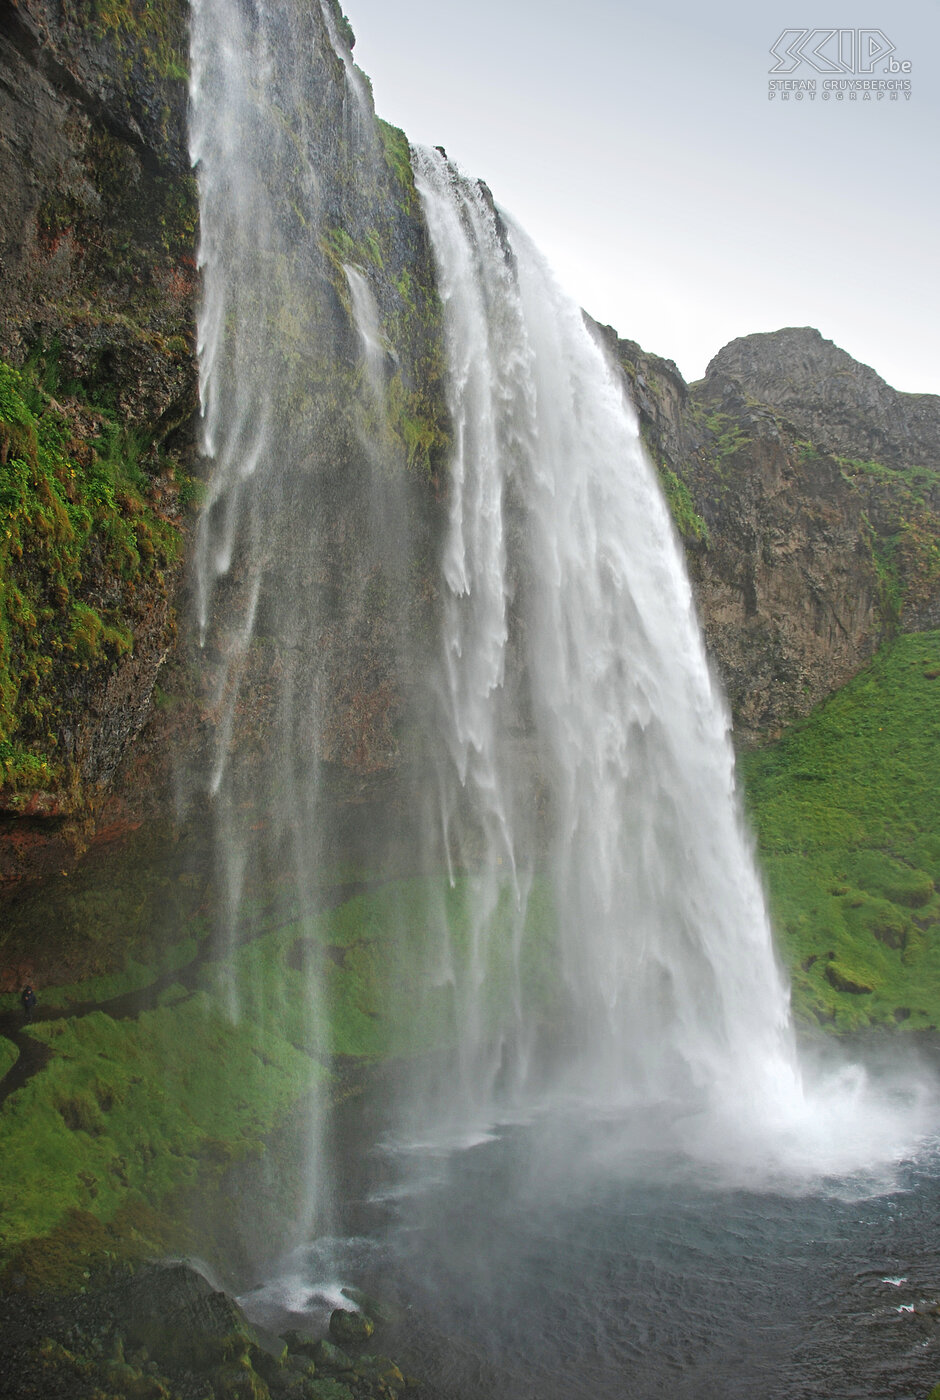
(678, 203)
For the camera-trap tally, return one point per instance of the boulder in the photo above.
(331, 1358)
(174, 1311)
(350, 1328)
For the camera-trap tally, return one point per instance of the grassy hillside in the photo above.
(846, 808)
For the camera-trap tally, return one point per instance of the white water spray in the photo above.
(559, 533)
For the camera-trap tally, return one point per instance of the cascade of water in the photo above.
(568, 616)
(366, 317)
(264, 79)
(584, 763)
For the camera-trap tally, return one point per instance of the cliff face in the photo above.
(97, 330)
(97, 251)
(843, 407)
(805, 554)
(804, 488)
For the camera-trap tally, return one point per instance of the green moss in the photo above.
(136, 1109)
(727, 432)
(8, 1056)
(679, 499)
(134, 1106)
(415, 418)
(397, 153)
(151, 31)
(844, 808)
(75, 514)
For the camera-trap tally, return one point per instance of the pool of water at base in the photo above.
(582, 1256)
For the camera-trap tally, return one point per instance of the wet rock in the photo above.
(301, 1343)
(381, 1374)
(174, 1311)
(331, 1358)
(269, 1346)
(350, 1328)
(328, 1390)
(237, 1380)
(133, 1384)
(293, 1376)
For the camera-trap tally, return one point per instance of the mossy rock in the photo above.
(844, 981)
(891, 879)
(381, 1373)
(301, 1346)
(328, 1390)
(880, 918)
(181, 1319)
(331, 1358)
(238, 1380)
(350, 1328)
(127, 1381)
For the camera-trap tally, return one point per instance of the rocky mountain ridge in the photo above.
(804, 555)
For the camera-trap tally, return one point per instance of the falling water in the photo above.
(569, 621)
(590, 923)
(276, 351)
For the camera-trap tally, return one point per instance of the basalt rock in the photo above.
(804, 554)
(843, 407)
(350, 1328)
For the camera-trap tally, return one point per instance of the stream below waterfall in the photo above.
(580, 1252)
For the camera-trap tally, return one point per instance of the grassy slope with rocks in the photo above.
(845, 812)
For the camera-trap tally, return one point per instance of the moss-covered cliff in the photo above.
(99, 390)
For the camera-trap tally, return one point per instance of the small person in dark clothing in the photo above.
(28, 998)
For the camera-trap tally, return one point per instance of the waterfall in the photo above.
(265, 82)
(586, 736)
(584, 913)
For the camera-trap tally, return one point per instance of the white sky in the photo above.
(638, 147)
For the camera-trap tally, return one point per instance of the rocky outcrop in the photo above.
(842, 407)
(803, 557)
(97, 313)
(98, 243)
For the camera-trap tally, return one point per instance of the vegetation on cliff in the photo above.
(89, 520)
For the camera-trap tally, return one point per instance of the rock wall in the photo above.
(97, 253)
(804, 488)
(805, 554)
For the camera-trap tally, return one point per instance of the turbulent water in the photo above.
(588, 1257)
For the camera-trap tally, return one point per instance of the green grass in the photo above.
(8, 1054)
(679, 499)
(138, 1106)
(846, 816)
(142, 1108)
(728, 433)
